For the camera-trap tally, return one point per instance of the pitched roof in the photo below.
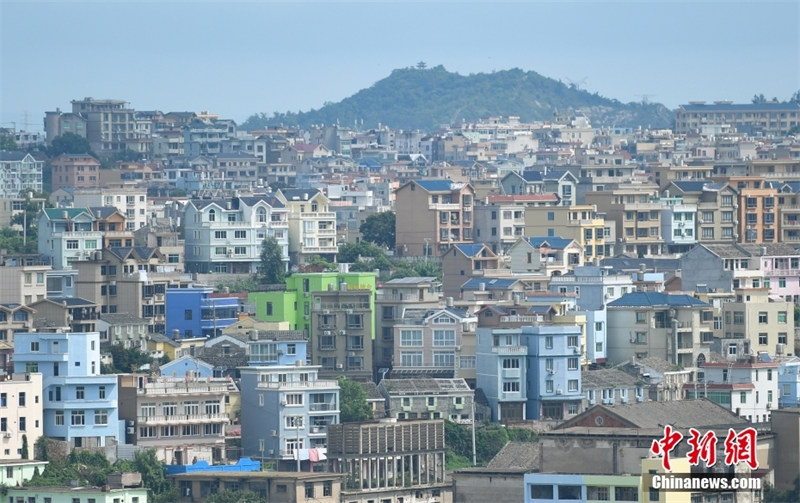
(438, 185)
(490, 284)
(531, 176)
(652, 299)
(58, 213)
(554, 242)
(606, 378)
(517, 456)
(122, 319)
(470, 249)
(521, 198)
(689, 185)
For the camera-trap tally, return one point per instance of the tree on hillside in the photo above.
(126, 360)
(352, 401)
(272, 269)
(379, 229)
(69, 143)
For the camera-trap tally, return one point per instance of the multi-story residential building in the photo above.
(57, 123)
(78, 494)
(240, 169)
(428, 398)
(183, 418)
(553, 487)
(676, 327)
(789, 382)
(342, 331)
(594, 287)
(753, 318)
(19, 171)
(14, 317)
(664, 381)
(716, 209)
(548, 256)
(433, 215)
(66, 235)
(637, 214)
(430, 342)
(294, 305)
(21, 416)
(407, 465)
(80, 404)
(194, 311)
(226, 236)
(532, 372)
(196, 486)
(611, 387)
(757, 211)
(204, 137)
(748, 386)
(500, 219)
(109, 123)
(129, 200)
(579, 222)
(678, 225)
(130, 280)
(72, 313)
(112, 223)
(286, 409)
(24, 280)
(751, 118)
(466, 261)
(727, 267)
(75, 170)
(395, 297)
(126, 330)
(312, 226)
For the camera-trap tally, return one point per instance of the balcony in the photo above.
(322, 407)
(319, 249)
(182, 387)
(323, 384)
(510, 350)
(182, 419)
(519, 319)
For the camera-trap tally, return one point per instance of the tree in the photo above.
(379, 229)
(352, 401)
(126, 360)
(759, 98)
(69, 143)
(272, 269)
(152, 470)
(795, 99)
(7, 142)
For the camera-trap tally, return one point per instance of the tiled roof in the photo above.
(652, 299)
(14, 155)
(678, 413)
(517, 456)
(606, 378)
(122, 319)
(531, 176)
(411, 280)
(70, 301)
(103, 211)
(423, 385)
(690, 185)
(271, 200)
(58, 213)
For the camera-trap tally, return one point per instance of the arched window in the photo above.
(701, 359)
(262, 215)
(212, 215)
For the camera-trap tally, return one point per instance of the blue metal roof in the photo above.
(531, 176)
(555, 242)
(491, 284)
(470, 249)
(652, 299)
(690, 185)
(435, 185)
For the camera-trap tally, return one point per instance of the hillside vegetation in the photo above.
(426, 98)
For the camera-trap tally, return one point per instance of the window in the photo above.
(101, 417)
(411, 358)
(59, 418)
(78, 418)
(572, 364)
(187, 314)
(510, 363)
(101, 392)
(541, 491)
(444, 337)
(781, 316)
(511, 387)
(572, 341)
(742, 397)
(572, 385)
(220, 234)
(444, 359)
(80, 393)
(762, 317)
(240, 234)
(762, 339)
(548, 342)
(34, 346)
(411, 338)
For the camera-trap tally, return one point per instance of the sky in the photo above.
(236, 58)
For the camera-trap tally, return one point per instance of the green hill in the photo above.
(424, 99)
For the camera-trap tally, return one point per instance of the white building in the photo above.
(19, 171)
(67, 234)
(20, 414)
(129, 200)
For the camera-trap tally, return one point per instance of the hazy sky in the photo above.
(236, 58)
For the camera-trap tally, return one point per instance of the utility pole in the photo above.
(474, 456)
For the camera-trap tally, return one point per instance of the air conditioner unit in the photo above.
(305, 294)
(314, 429)
(458, 348)
(339, 366)
(342, 332)
(559, 391)
(130, 430)
(326, 332)
(576, 350)
(349, 311)
(271, 452)
(274, 433)
(283, 403)
(7, 434)
(326, 311)
(551, 372)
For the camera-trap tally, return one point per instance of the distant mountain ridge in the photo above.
(426, 98)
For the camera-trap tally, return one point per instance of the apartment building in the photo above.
(109, 123)
(75, 170)
(433, 215)
(716, 216)
(79, 403)
(579, 222)
(226, 236)
(24, 280)
(768, 118)
(757, 210)
(500, 219)
(67, 235)
(21, 416)
(392, 300)
(183, 419)
(428, 398)
(545, 255)
(312, 225)
(129, 200)
(19, 171)
(761, 322)
(193, 311)
(286, 409)
(637, 214)
(463, 262)
(676, 327)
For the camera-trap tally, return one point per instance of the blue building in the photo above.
(286, 408)
(195, 312)
(80, 404)
(789, 382)
(531, 372)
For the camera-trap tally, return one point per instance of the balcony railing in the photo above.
(319, 384)
(322, 407)
(444, 207)
(519, 319)
(183, 418)
(510, 350)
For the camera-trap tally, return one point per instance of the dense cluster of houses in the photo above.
(598, 283)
